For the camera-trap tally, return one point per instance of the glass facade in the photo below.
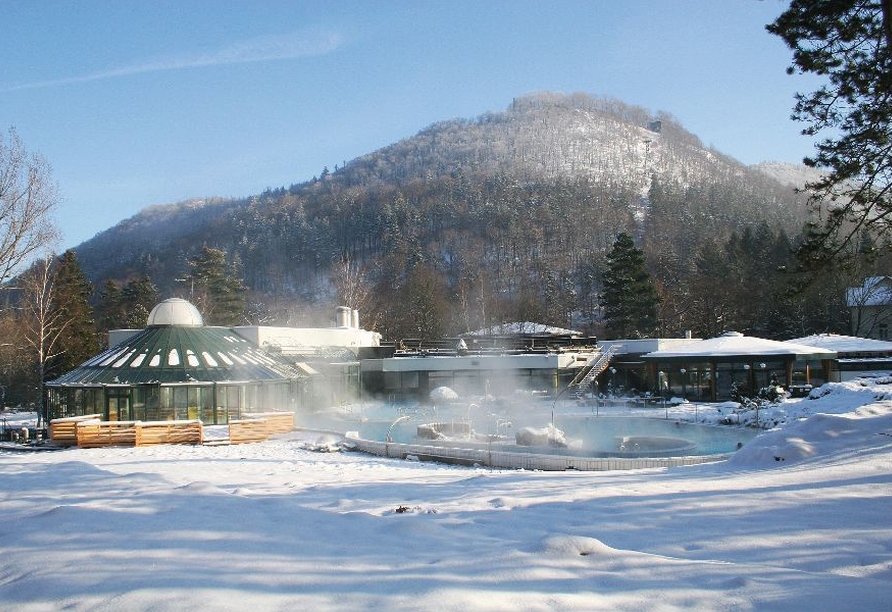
(212, 403)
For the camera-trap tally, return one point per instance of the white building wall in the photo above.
(297, 339)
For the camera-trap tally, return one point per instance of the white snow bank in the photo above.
(822, 435)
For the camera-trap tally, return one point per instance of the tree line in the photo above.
(52, 319)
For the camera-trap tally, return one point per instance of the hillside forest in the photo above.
(510, 216)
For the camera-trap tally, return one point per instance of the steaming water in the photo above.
(584, 435)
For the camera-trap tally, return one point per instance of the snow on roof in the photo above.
(525, 327)
(734, 344)
(845, 344)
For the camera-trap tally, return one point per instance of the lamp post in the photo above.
(762, 367)
(661, 378)
(389, 437)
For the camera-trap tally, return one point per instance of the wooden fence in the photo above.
(90, 432)
(245, 431)
(150, 433)
(63, 432)
(94, 434)
(276, 422)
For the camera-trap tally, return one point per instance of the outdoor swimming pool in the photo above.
(579, 436)
(524, 437)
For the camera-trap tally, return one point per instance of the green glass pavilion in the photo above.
(177, 368)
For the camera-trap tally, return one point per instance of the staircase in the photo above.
(594, 367)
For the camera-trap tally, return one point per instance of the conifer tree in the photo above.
(127, 306)
(56, 318)
(78, 340)
(849, 43)
(109, 310)
(217, 289)
(139, 296)
(629, 297)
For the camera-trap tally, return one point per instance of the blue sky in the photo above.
(141, 103)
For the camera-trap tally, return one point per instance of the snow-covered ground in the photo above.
(799, 519)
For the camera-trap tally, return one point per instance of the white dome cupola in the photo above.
(175, 311)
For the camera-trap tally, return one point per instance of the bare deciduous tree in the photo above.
(44, 323)
(27, 199)
(352, 286)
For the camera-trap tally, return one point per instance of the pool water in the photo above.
(583, 436)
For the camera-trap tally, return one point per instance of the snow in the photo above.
(442, 394)
(845, 344)
(876, 291)
(797, 519)
(735, 344)
(524, 327)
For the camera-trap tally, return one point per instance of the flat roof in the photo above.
(734, 346)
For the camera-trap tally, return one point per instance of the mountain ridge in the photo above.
(556, 176)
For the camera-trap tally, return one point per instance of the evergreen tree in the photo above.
(56, 318)
(629, 297)
(849, 43)
(712, 292)
(218, 291)
(139, 297)
(128, 306)
(110, 312)
(78, 340)
(425, 304)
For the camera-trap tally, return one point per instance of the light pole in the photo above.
(389, 437)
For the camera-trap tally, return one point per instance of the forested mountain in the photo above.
(473, 222)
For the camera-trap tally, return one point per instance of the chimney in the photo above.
(342, 316)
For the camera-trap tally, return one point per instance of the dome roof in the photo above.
(175, 311)
(178, 354)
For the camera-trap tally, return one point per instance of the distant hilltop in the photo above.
(489, 213)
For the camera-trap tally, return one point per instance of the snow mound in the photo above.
(850, 395)
(564, 546)
(443, 394)
(541, 436)
(821, 435)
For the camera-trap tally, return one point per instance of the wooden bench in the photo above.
(276, 422)
(95, 434)
(245, 431)
(150, 433)
(64, 431)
